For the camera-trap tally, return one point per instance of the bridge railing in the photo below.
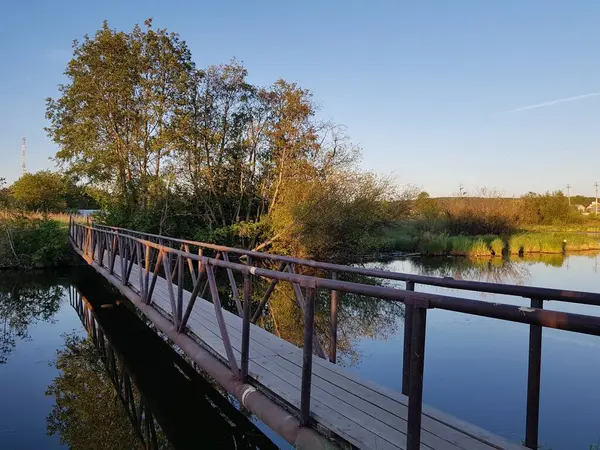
(153, 256)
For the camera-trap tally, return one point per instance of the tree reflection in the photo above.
(87, 413)
(25, 298)
(359, 317)
(492, 270)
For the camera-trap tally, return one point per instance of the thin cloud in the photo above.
(555, 102)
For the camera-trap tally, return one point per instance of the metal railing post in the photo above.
(246, 323)
(417, 363)
(533, 381)
(408, 314)
(334, 322)
(307, 355)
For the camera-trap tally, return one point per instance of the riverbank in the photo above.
(403, 238)
(30, 242)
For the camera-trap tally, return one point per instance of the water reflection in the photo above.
(25, 298)
(87, 413)
(359, 317)
(124, 387)
(514, 270)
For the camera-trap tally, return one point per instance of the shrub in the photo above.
(460, 245)
(33, 243)
(515, 244)
(435, 245)
(480, 248)
(497, 246)
(551, 244)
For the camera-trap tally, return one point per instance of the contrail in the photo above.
(554, 102)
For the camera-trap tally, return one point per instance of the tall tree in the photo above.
(40, 191)
(113, 118)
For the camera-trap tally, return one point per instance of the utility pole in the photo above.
(569, 193)
(596, 185)
(23, 156)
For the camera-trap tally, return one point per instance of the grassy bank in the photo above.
(591, 226)
(28, 242)
(412, 239)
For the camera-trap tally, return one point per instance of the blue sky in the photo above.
(425, 87)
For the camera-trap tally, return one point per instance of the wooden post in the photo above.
(307, 354)
(533, 381)
(408, 310)
(333, 322)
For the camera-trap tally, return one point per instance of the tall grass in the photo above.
(460, 245)
(493, 245)
(28, 242)
(497, 245)
(436, 245)
(479, 248)
(57, 217)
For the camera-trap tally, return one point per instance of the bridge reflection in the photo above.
(169, 404)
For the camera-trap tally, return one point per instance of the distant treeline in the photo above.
(495, 215)
(45, 191)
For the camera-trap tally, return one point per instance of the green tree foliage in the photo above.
(78, 196)
(42, 191)
(551, 209)
(581, 200)
(204, 153)
(425, 207)
(5, 197)
(113, 118)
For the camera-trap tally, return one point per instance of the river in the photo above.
(476, 368)
(56, 391)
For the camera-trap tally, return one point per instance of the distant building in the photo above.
(592, 208)
(579, 208)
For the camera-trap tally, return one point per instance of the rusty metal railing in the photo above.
(153, 254)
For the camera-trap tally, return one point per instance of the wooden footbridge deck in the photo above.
(311, 401)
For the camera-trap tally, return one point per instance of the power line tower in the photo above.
(23, 156)
(569, 193)
(596, 186)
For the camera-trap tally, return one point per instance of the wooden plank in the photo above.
(394, 402)
(326, 416)
(205, 320)
(393, 430)
(205, 311)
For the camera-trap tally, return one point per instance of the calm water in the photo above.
(56, 392)
(476, 368)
